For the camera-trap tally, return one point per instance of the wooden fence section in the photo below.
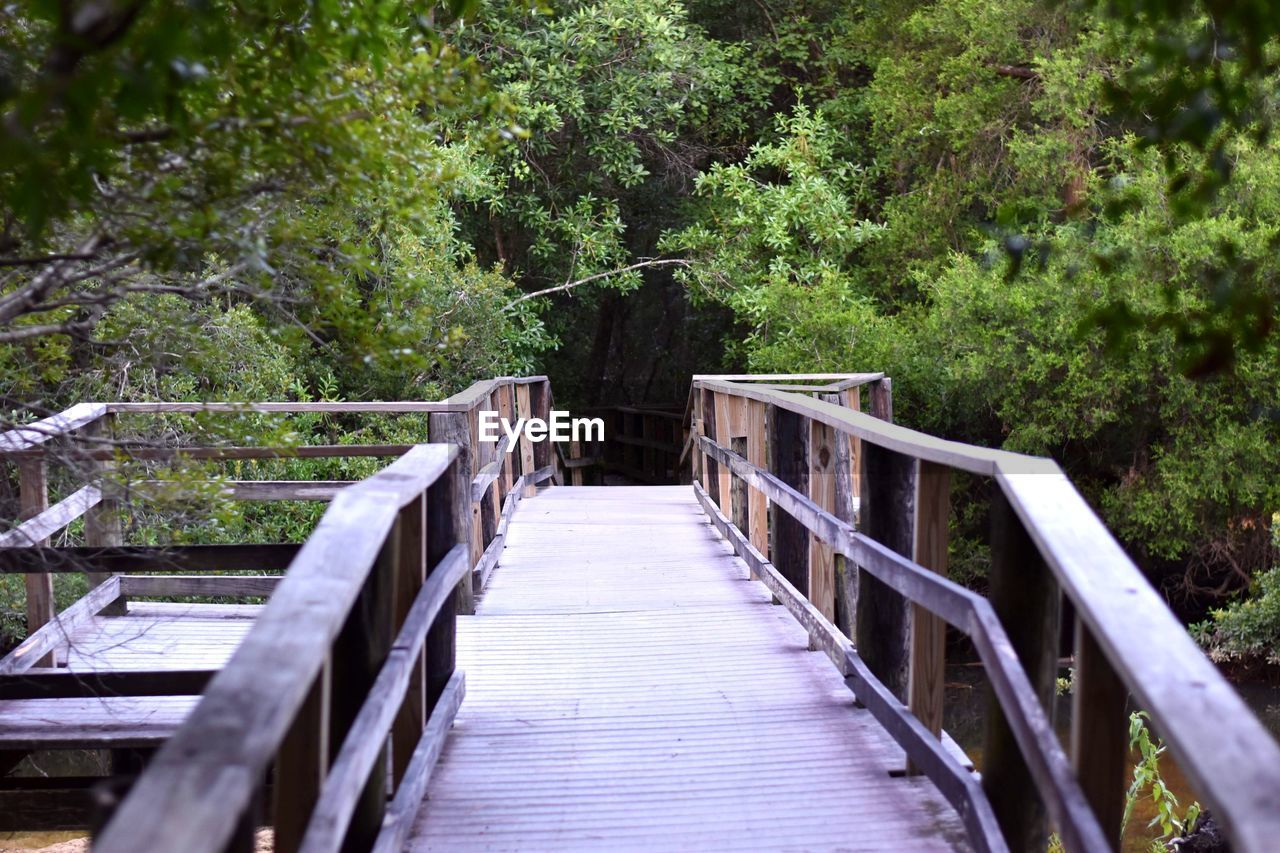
(777, 471)
(352, 657)
(89, 443)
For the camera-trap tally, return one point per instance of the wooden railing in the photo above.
(87, 441)
(642, 443)
(353, 654)
(778, 471)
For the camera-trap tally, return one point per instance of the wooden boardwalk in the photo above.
(149, 636)
(629, 686)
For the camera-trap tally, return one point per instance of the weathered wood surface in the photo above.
(628, 686)
(153, 638)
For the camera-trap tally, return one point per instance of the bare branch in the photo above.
(569, 285)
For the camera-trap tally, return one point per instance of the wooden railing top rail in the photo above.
(31, 436)
(213, 765)
(1230, 758)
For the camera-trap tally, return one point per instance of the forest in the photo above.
(1053, 223)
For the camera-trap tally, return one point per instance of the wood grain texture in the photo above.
(33, 498)
(628, 687)
(928, 632)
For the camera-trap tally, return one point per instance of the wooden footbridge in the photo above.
(476, 649)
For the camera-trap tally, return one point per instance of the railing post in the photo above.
(722, 436)
(882, 624)
(710, 467)
(102, 525)
(448, 516)
(455, 428)
(822, 491)
(540, 401)
(1099, 733)
(33, 498)
(789, 462)
(882, 621)
(1024, 595)
(412, 565)
(757, 504)
(506, 408)
(359, 652)
(845, 591)
(302, 763)
(526, 446)
(928, 632)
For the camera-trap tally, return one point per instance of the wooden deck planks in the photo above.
(627, 686)
(150, 636)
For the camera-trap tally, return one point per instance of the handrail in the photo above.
(1125, 631)
(962, 609)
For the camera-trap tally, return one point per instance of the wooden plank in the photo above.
(707, 422)
(302, 763)
(883, 619)
(757, 504)
(255, 490)
(447, 525)
(31, 436)
(40, 804)
(1024, 596)
(37, 529)
(141, 559)
(62, 684)
(524, 410)
(166, 586)
(721, 432)
(978, 460)
(360, 652)
(789, 462)
(454, 428)
(412, 716)
(103, 526)
(1100, 734)
(287, 407)
(33, 500)
(36, 646)
(822, 491)
(99, 722)
(927, 680)
(540, 406)
(845, 592)
(786, 377)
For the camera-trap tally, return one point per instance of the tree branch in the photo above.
(569, 285)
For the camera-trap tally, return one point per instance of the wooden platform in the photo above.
(151, 636)
(628, 686)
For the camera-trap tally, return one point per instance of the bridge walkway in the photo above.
(628, 686)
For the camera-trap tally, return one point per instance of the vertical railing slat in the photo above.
(1099, 733)
(1024, 595)
(928, 632)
